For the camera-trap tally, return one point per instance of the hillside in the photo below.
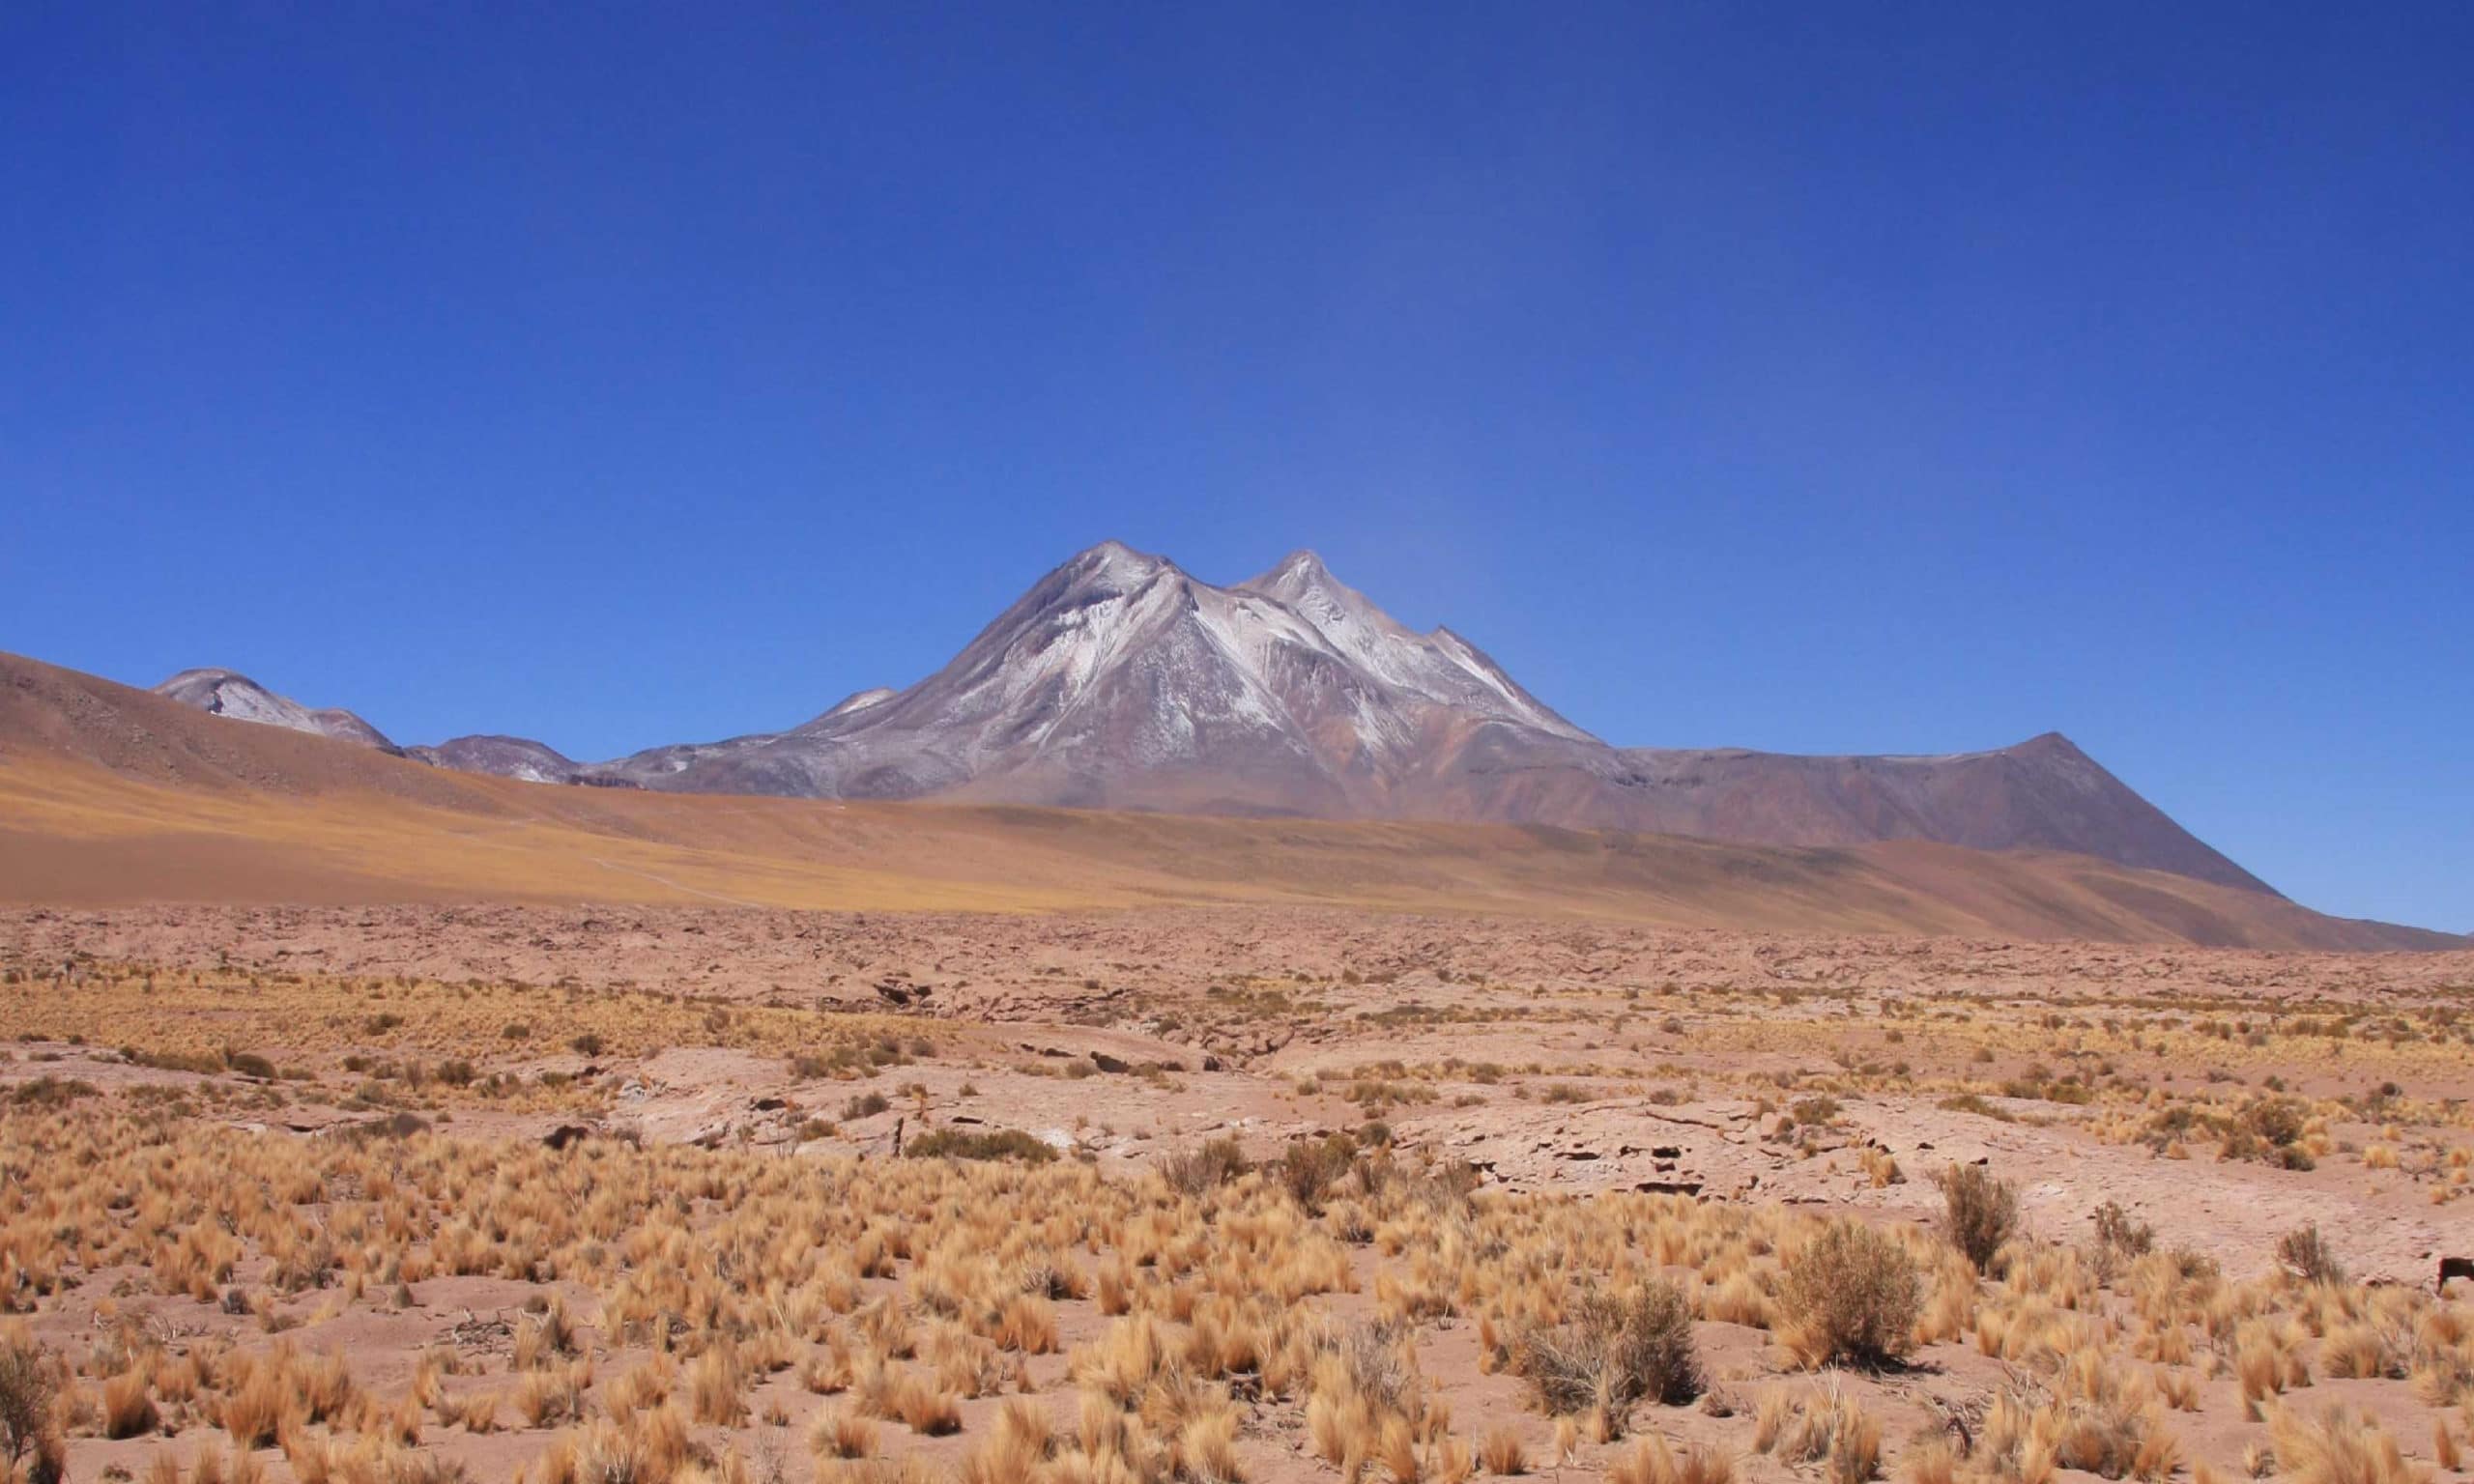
(1121, 681)
(111, 794)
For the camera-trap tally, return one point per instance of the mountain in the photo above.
(225, 693)
(2041, 794)
(112, 795)
(1121, 681)
(517, 758)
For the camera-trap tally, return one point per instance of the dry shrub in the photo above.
(2122, 1237)
(1652, 1462)
(1930, 1462)
(1851, 1295)
(2367, 1348)
(129, 1410)
(29, 1384)
(1207, 1446)
(324, 1387)
(1501, 1452)
(479, 1411)
(542, 1341)
(1205, 1167)
(1612, 1352)
(1823, 1425)
(601, 1453)
(713, 1387)
(2013, 1443)
(927, 1409)
(2308, 1256)
(839, 1433)
(1015, 1452)
(1978, 1212)
(1308, 1170)
(254, 1412)
(1339, 1427)
(2343, 1447)
(2108, 1423)
(1028, 1325)
(1738, 1300)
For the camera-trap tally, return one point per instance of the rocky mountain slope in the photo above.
(227, 693)
(517, 758)
(112, 795)
(1121, 681)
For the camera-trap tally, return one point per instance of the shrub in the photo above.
(50, 1092)
(128, 1412)
(1978, 1212)
(249, 1064)
(1852, 1294)
(1826, 1426)
(2122, 1235)
(2307, 1255)
(2343, 1448)
(1212, 1164)
(29, 1384)
(1653, 1462)
(1612, 1352)
(1501, 1452)
(1310, 1169)
(864, 1105)
(585, 1044)
(1000, 1144)
(838, 1434)
(254, 1412)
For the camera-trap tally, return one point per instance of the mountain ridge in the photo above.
(112, 795)
(1120, 680)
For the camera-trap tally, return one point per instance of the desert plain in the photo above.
(626, 1191)
(360, 1123)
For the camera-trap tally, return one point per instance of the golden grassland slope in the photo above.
(109, 795)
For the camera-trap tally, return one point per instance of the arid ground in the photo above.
(640, 1192)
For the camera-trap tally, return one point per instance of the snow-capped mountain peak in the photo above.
(1119, 676)
(1438, 668)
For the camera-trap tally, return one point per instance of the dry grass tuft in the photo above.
(1501, 1452)
(1824, 1426)
(129, 1408)
(839, 1433)
(2343, 1447)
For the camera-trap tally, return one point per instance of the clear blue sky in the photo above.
(1821, 377)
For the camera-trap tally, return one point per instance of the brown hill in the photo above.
(109, 795)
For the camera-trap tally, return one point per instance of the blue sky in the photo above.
(1818, 378)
